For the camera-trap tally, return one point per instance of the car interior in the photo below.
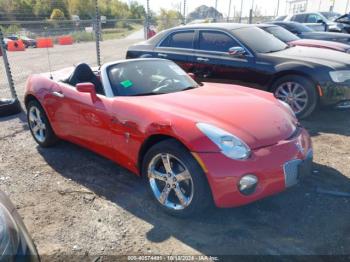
(82, 74)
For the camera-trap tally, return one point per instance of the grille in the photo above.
(291, 172)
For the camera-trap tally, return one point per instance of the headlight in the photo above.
(340, 76)
(230, 145)
(9, 238)
(286, 105)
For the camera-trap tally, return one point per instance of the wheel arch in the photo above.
(288, 73)
(28, 98)
(151, 141)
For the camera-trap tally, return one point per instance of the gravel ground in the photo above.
(75, 202)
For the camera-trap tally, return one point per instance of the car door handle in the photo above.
(162, 55)
(58, 94)
(202, 59)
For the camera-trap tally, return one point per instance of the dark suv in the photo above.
(304, 77)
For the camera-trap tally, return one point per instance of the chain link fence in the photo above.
(4, 85)
(40, 46)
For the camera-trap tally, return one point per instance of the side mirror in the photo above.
(320, 21)
(236, 51)
(87, 88)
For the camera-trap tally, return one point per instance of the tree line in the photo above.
(31, 10)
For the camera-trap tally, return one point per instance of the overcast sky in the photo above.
(267, 7)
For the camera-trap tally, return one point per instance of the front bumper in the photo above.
(277, 167)
(334, 93)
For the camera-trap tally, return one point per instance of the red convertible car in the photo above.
(193, 143)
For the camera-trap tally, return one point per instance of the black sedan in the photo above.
(304, 77)
(15, 242)
(305, 32)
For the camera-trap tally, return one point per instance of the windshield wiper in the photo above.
(273, 51)
(149, 94)
(189, 88)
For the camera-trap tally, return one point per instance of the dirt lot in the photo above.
(77, 203)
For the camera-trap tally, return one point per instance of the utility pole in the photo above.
(278, 7)
(216, 8)
(332, 6)
(240, 15)
(347, 6)
(234, 13)
(251, 13)
(98, 33)
(147, 19)
(229, 11)
(185, 12)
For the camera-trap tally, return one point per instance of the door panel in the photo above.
(63, 110)
(312, 22)
(95, 123)
(213, 63)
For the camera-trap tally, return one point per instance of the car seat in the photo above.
(83, 73)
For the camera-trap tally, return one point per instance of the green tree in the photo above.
(85, 9)
(137, 11)
(57, 14)
(168, 19)
(16, 9)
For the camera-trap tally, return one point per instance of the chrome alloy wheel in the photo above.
(294, 94)
(36, 124)
(170, 181)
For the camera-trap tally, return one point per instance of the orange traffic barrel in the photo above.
(44, 42)
(65, 40)
(17, 45)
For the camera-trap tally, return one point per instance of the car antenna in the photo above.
(48, 55)
(48, 60)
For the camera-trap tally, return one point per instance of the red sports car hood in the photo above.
(321, 44)
(254, 116)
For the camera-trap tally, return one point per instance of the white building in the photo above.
(297, 6)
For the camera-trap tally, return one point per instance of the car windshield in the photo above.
(331, 15)
(343, 19)
(148, 77)
(258, 40)
(281, 33)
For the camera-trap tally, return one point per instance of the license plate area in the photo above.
(291, 172)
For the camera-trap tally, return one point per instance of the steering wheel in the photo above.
(164, 84)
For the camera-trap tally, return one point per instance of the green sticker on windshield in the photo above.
(126, 83)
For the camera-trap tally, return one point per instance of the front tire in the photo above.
(39, 125)
(175, 180)
(299, 92)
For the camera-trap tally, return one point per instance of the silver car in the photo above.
(15, 242)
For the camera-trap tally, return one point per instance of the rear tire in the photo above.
(299, 92)
(191, 185)
(39, 125)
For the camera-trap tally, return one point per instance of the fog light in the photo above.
(247, 184)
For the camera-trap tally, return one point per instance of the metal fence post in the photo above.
(97, 33)
(185, 20)
(7, 67)
(148, 22)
